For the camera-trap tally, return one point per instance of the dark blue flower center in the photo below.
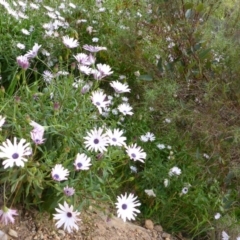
(124, 206)
(98, 103)
(15, 155)
(69, 214)
(133, 155)
(96, 141)
(79, 165)
(114, 139)
(56, 176)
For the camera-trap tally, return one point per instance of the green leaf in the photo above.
(160, 65)
(200, 7)
(188, 5)
(146, 77)
(204, 53)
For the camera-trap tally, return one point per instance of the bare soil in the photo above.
(95, 225)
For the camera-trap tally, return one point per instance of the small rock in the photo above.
(166, 235)
(12, 233)
(158, 228)
(154, 235)
(3, 235)
(149, 224)
(61, 232)
(53, 233)
(28, 238)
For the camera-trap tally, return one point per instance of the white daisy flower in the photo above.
(14, 153)
(185, 190)
(82, 58)
(125, 109)
(114, 111)
(22, 4)
(82, 162)
(168, 120)
(206, 156)
(25, 31)
(126, 207)
(78, 83)
(137, 74)
(6, 215)
(37, 133)
(86, 87)
(81, 21)
(225, 236)
(45, 52)
(50, 9)
(166, 182)
(161, 146)
(33, 53)
(104, 69)
(115, 137)
(59, 173)
(150, 192)
(143, 138)
(89, 29)
(68, 191)
(93, 48)
(133, 169)
(95, 39)
(20, 46)
(66, 217)
(96, 140)
(102, 9)
(136, 153)
(23, 62)
(62, 73)
(150, 136)
(85, 69)
(62, 6)
(72, 5)
(120, 87)
(175, 171)
(99, 99)
(70, 42)
(34, 6)
(124, 99)
(22, 15)
(47, 76)
(37, 137)
(217, 216)
(121, 77)
(2, 120)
